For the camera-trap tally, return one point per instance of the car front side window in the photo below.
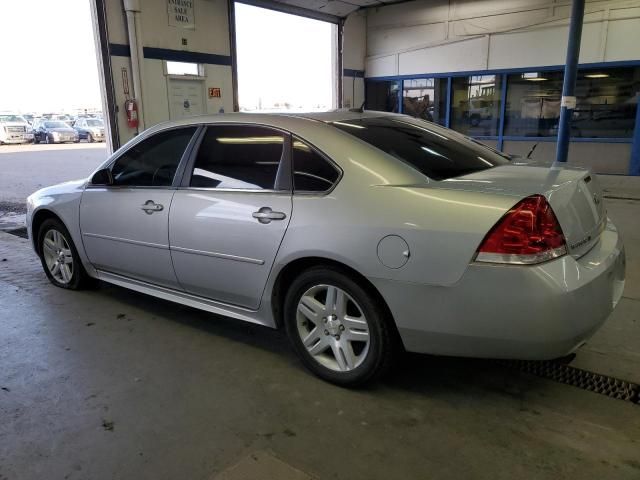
(154, 161)
(238, 157)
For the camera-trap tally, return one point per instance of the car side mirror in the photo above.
(102, 177)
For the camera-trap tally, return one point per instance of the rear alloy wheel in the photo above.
(59, 256)
(337, 327)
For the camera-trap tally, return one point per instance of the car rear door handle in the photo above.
(266, 215)
(150, 206)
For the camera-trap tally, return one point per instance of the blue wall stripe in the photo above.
(348, 72)
(121, 50)
(543, 68)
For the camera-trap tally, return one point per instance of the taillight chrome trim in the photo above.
(512, 259)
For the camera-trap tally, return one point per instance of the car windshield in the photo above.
(434, 151)
(94, 123)
(56, 125)
(12, 118)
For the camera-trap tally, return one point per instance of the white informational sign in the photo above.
(181, 13)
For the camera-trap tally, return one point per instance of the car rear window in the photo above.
(434, 151)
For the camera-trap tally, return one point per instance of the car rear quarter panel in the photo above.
(442, 228)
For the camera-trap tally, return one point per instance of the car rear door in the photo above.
(229, 217)
(125, 228)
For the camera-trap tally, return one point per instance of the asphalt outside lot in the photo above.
(108, 383)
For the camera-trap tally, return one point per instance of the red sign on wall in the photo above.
(214, 92)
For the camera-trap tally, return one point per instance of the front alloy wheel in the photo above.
(338, 327)
(59, 256)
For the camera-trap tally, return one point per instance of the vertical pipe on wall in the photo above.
(132, 9)
(340, 65)
(568, 102)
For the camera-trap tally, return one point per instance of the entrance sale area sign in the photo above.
(181, 13)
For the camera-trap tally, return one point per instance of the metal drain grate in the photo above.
(593, 382)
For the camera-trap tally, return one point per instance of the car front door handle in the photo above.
(266, 215)
(150, 206)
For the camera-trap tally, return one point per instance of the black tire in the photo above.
(35, 140)
(383, 343)
(79, 278)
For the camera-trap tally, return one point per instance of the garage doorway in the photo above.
(285, 62)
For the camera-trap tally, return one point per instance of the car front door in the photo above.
(229, 217)
(125, 225)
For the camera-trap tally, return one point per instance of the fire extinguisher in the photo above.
(131, 107)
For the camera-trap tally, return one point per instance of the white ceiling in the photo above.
(339, 8)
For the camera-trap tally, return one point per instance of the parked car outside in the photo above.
(14, 129)
(54, 131)
(358, 233)
(89, 129)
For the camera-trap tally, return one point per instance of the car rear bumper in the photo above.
(523, 312)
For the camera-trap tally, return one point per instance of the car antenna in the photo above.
(531, 151)
(358, 110)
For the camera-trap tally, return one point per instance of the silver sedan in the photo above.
(360, 234)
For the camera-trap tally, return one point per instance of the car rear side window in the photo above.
(238, 157)
(311, 171)
(154, 161)
(434, 151)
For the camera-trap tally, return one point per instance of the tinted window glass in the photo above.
(238, 157)
(311, 172)
(154, 161)
(425, 98)
(381, 95)
(475, 104)
(606, 103)
(434, 151)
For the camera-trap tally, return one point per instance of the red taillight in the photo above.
(528, 233)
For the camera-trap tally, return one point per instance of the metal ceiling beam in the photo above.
(292, 9)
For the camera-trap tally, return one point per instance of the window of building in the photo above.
(427, 148)
(382, 96)
(475, 105)
(154, 161)
(242, 157)
(606, 103)
(311, 172)
(425, 98)
(182, 68)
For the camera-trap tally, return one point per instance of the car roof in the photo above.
(280, 119)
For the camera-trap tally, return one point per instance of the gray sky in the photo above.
(48, 59)
(48, 56)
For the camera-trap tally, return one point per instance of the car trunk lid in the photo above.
(574, 194)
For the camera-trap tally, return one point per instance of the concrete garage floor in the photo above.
(108, 384)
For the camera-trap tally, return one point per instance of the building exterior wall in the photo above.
(353, 59)
(449, 39)
(207, 44)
